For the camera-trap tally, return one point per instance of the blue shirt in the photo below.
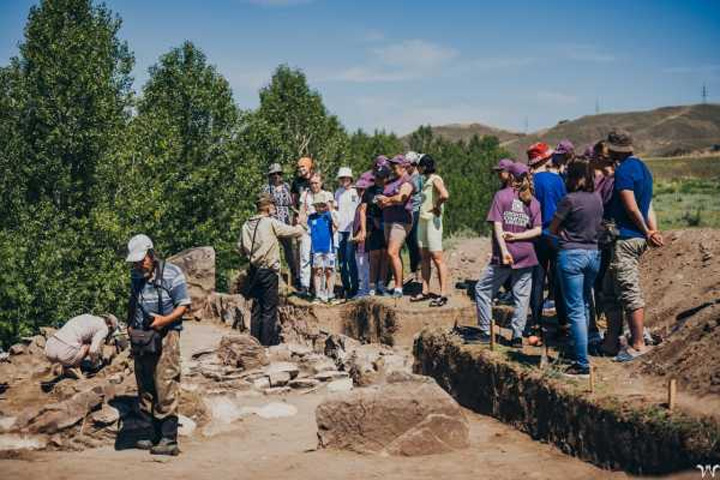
(632, 174)
(321, 237)
(549, 190)
(174, 294)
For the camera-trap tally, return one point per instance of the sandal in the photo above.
(629, 354)
(439, 302)
(420, 297)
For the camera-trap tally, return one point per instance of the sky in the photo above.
(395, 65)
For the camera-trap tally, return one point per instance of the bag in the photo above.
(246, 289)
(609, 234)
(147, 341)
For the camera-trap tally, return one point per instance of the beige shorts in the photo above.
(430, 233)
(397, 232)
(621, 288)
(60, 352)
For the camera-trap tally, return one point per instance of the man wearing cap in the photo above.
(413, 158)
(300, 186)
(281, 193)
(347, 201)
(80, 338)
(631, 209)
(549, 190)
(158, 301)
(259, 242)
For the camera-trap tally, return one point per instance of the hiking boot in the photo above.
(145, 444)
(166, 446)
(481, 338)
(516, 342)
(576, 371)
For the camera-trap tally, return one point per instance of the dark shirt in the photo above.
(580, 215)
(299, 186)
(401, 213)
(631, 174)
(549, 190)
(373, 212)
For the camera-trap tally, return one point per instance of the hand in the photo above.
(437, 211)
(382, 201)
(509, 236)
(158, 322)
(360, 237)
(655, 238)
(507, 259)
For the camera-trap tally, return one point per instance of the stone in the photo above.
(410, 418)
(14, 442)
(261, 383)
(279, 353)
(324, 365)
(186, 426)
(279, 379)
(342, 385)
(300, 351)
(7, 424)
(283, 367)
(302, 383)
(276, 410)
(107, 415)
(277, 390)
(17, 349)
(198, 265)
(241, 351)
(58, 416)
(229, 309)
(331, 375)
(4, 357)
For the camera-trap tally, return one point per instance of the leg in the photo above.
(305, 261)
(521, 290)
(393, 254)
(354, 277)
(538, 282)
(412, 244)
(628, 277)
(362, 261)
(613, 312)
(330, 281)
(256, 314)
(382, 270)
(441, 267)
(435, 247)
(425, 271)
(485, 290)
(270, 332)
(571, 268)
(344, 260)
(167, 383)
(289, 254)
(318, 282)
(374, 268)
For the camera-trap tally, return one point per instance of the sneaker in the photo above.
(166, 446)
(516, 342)
(144, 444)
(481, 338)
(397, 293)
(372, 293)
(576, 371)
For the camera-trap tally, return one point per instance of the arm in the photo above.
(655, 238)
(555, 226)
(627, 197)
(505, 256)
(526, 235)
(443, 195)
(287, 231)
(98, 339)
(362, 233)
(405, 191)
(160, 321)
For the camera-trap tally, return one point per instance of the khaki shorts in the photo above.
(60, 352)
(397, 232)
(430, 233)
(621, 285)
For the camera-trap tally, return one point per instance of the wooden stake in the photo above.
(544, 355)
(492, 334)
(592, 379)
(672, 393)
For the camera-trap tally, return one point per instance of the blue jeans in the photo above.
(348, 267)
(577, 270)
(487, 288)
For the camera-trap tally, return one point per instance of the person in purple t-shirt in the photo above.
(516, 219)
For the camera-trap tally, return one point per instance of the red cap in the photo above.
(538, 152)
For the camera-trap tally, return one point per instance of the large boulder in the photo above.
(408, 416)
(241, 351)
(198, 265)
(228, 309)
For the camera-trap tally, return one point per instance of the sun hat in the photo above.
(321, 198)
(518, 169)
(274, 168)
(620, 141)
(413, 158)
(305, 162)
(138, 246)
(503, 165)
(344, 172)
(538, 153)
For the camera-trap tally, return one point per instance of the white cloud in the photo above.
(415, 54)
(557, 98)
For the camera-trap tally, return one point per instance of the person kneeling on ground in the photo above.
(321, 224)
(259, 242)
(81, 338)
(158, 300)
(515, 216)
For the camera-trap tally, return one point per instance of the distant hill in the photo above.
(667, 131)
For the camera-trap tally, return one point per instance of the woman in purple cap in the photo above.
(365, 181)
(397, 206)
(372, 232)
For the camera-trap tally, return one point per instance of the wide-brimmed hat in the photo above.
(275, 168)
(503, 165)
(413, 158)
(620, 141)
(344, 172)
(538, 153)
(138, 247)
(518, 169)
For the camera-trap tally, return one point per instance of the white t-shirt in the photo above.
(346, 200)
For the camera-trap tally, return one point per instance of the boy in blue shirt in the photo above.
(322, 224)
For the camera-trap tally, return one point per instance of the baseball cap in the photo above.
(398, 160)
(620, 141)
(538, 153)
(344, 172)
(138, 246)
(382, 172)
(518, 169)
(565, 147)
(380, 161)
(321, 197)
(413, 158)
(503, 165)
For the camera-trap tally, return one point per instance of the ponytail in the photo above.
(524, 187)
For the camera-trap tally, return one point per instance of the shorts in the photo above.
(397, 232)
(323, 260)
(375, 240)
(621, 285)
(60, 352)
(430, 233)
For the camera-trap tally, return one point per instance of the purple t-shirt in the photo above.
(516, 217)
(398, 213)
(604, 187)
(580, 215)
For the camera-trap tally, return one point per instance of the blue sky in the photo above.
(399, 64)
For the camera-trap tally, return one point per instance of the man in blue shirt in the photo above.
(632, 211)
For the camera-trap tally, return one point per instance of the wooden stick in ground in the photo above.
(492, 334)
(672, 393)
(592, 379)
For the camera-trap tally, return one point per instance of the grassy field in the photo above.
(687, 191)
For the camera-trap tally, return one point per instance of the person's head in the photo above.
(364, 182)
(381, 175)
(321, 207)
(344, 177)
(503, 170)
(599, 156)
(521, 181)
(413, 160)
(427, 165)
(111, 321)
(265, 204)
(315, 182)
(398, 164)
(538, 155)
(564, 154)
(275, 174)
(141, 254)
(305, 167)
(619, 144)
(579, 176)
(379, 162)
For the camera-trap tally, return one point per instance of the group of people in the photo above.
(579, 225)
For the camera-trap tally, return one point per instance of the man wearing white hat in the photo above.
(347, 200)
(158, 301)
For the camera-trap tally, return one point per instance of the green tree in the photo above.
(364, 148)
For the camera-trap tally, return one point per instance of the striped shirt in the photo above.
(174, 294)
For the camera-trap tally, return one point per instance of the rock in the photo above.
(279, 353)
(331, 375)
(198, 265)
(14, 442)
(342, 385)
(324, 365)
(298, 350)
(223, 409)
(108, 353)
(406, 418)
(231, 310)
(339, 347)
(7, 424)
(277, 390)
(4, 357)
(241, 351)
(47, 332)
(107, 415)
(58, 416)
(301, 383)
(186, 426)
(283, 367)
(279, 379)
(276, 410)
(261, 383)
(17, 349)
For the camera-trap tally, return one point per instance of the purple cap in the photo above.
(365, 182)
(589, 151)
(565, 147)
(399, 160)
(380, 161)
(518, 169)
(382, 172)
(503, 165)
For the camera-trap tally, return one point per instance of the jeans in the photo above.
(264, 319)
(547, 257)
(363, 266)
(577, 270)
(305, 260)
(412, 244)
(348, 267)
(487, 288)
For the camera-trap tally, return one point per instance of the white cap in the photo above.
(413, 157)
(138, 247)
(344, 172)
